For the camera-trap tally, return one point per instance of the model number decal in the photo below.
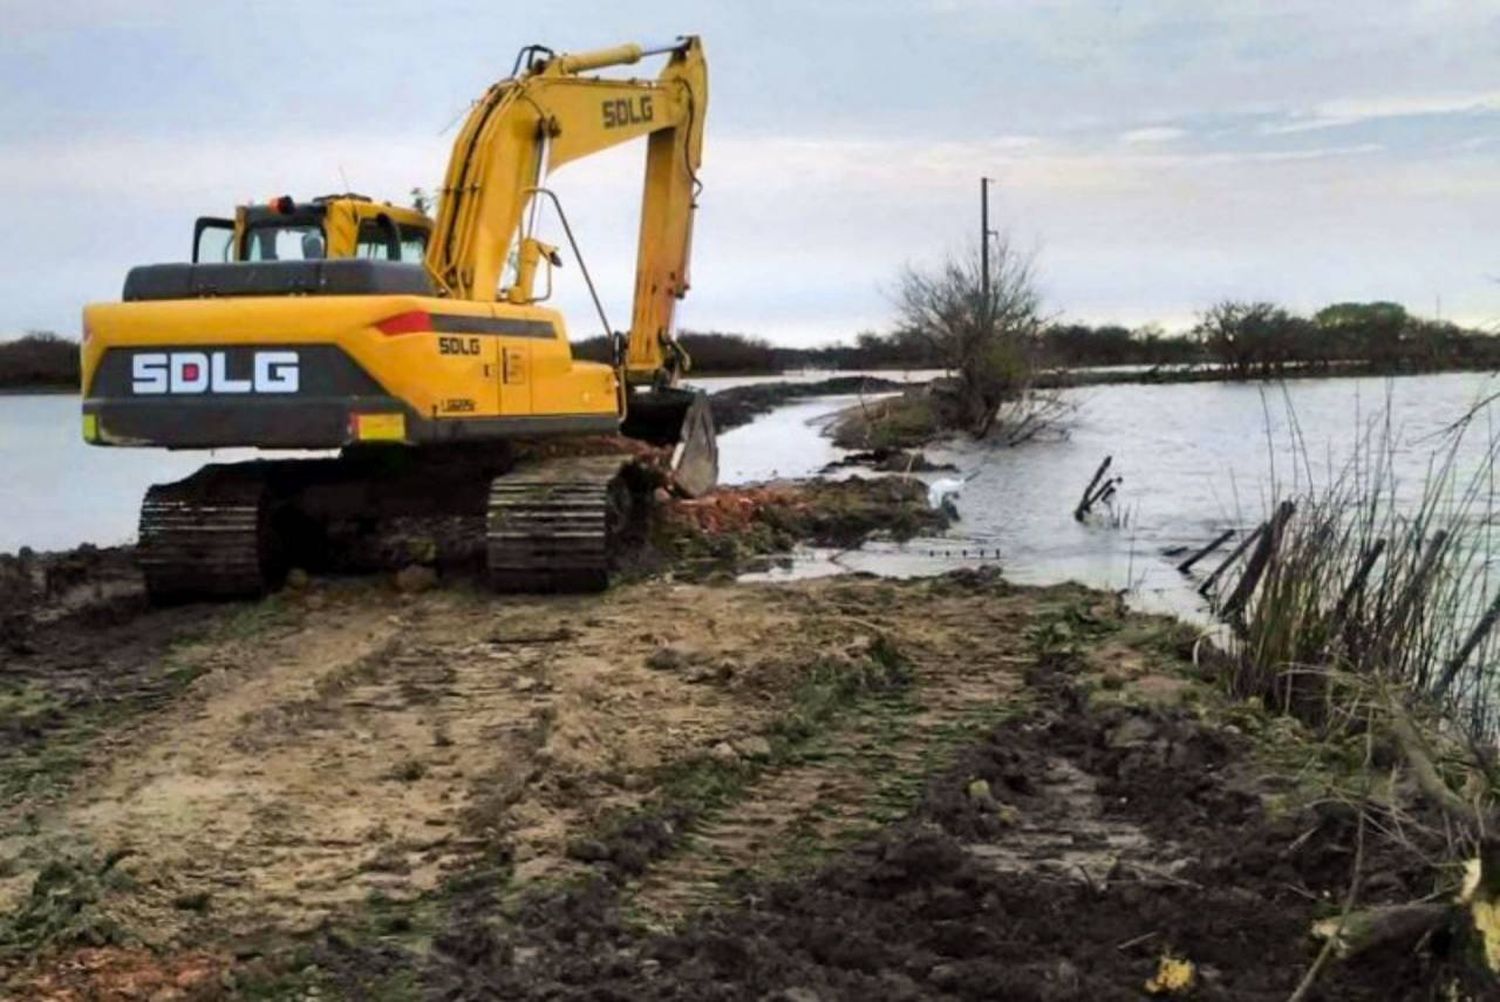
(458, 346)
(627, 111)
(460, 405)
(187, 372)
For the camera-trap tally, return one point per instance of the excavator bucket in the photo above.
(682, 419)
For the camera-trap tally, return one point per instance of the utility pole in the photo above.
(984, 240)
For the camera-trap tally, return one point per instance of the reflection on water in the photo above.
(1196, 458)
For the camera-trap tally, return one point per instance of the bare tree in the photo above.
(985, 332)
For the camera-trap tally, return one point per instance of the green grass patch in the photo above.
(64, 907)
(902, 422)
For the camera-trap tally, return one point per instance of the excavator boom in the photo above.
(531, 124)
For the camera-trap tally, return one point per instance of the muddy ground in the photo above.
(742, 404)
(687, 788)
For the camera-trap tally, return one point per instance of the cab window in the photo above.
(382, 239)
(285, 242)
(375, 240)
(213, 240)
(413, 243)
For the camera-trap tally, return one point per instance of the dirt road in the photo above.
(850, 788)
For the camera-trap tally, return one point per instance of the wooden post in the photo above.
(1269, 541)
(1087, 500)
(1241, 548)
(1219, 541)
(1476, 635)
(1412, 594)
(1357, 582)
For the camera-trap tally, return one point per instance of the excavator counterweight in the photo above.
(461, 420)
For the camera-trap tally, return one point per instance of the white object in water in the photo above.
(941, 490)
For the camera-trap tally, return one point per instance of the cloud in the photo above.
(1152, 134)
(1352, 111)
(1163, 153)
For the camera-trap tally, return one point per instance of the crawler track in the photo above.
(207, 537)
(230, 531)
(550, 528)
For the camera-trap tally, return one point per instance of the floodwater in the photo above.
(57, 492)
(1196, 458)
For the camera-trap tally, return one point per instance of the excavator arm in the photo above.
(550, 114)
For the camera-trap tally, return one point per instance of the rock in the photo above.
(588, 850)
(700, 673)
(1131, 731)
(525, 684)
(666, 658)
(523, 955)
(297, 579)
(944, 976)
(755, 747)
(979, 792)
(724, 752)
(415, 579)
(795, 995)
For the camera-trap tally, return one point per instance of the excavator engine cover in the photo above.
(682, 419)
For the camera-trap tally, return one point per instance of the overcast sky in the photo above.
(1156, 154)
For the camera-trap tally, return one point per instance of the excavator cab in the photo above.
(330, 226)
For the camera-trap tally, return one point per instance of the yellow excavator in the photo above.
(462, 422)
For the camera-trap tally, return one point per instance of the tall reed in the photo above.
(1375, 579)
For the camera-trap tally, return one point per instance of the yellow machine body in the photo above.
(469, 380)
(345, 346)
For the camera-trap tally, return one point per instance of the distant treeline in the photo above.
(39, 359)
(1246, 340)
(711, 352)
(1260, 340)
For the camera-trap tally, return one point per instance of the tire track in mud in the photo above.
(864, 772)
(366, 745)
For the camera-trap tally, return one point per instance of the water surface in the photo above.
(1195, 457)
